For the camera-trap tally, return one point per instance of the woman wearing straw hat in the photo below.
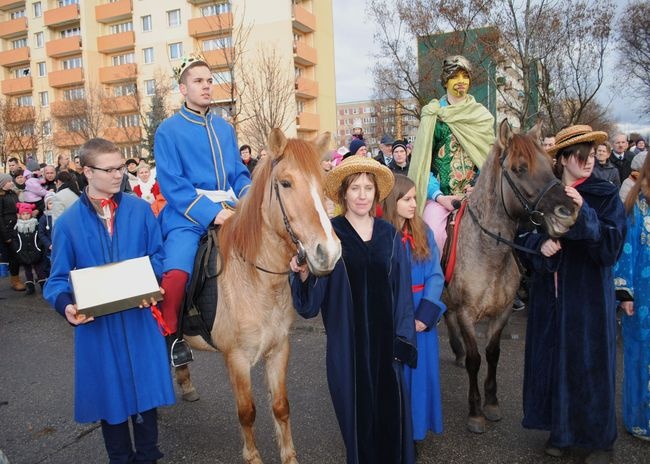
(570, 361)
(367, 310)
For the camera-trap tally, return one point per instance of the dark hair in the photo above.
(13, 159)
(19, 172)
(195, 64)
(579, 150)
(68, 180)
(131, 161)
(641, 185)
(343, 189)
(95, 147)
(246, 147)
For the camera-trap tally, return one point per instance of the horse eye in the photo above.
(521, 169)
(285, 184)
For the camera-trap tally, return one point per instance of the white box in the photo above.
(114, 287)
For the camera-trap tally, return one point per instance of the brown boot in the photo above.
(17, 284)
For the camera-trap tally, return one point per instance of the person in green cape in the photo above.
(453, 140)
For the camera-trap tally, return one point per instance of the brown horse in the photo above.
(282, 211)
(516, 185)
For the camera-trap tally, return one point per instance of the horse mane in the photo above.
(243, 233)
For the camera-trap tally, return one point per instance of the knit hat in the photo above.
(355, 145)
(398, 143)
(5, 179)
(24, 208)
(32, 165)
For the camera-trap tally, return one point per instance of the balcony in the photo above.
(68, 108)
(116, 42)
(56, 17)
(131, 134)
(63, 47)
(303, 20)
(223, 93)
(124, 104)
(11, 4)
(13, 28)
(21, 143)
(66, 77)
(219, 58)
(67, 139)
(209, 25)
(303, 54)
(308, 122)
(123, 72)
(17, 86)
(22, 114)
(199, 2)
(115, 11)
(306, 88)
(14, 57)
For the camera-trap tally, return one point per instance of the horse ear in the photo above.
(505, 133)
(536, 131)
(322, 142)
(277, 142)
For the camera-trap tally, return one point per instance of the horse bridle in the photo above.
(534, 215)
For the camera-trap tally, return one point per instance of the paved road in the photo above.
(36, 425)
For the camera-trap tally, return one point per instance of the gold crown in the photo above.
(185, 62)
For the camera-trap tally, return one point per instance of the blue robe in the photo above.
(632, 273)
(423, 382)
(194, 151)
(570, 359)
(121, 365)
(367, 310)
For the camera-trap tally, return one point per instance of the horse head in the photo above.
(529, 188)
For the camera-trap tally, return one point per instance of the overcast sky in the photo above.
(353, 48)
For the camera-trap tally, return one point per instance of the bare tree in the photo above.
(85, 118)
(155, 113)
(269, 98)
(634, 47)
(22, 130)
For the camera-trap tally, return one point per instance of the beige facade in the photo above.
(62, 61)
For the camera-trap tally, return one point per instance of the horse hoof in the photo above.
(476, 424)
(191, 396)
(492, 412)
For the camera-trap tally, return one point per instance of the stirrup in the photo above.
(181, 353)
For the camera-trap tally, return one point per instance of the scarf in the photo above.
(26, 226)
(472, 125)
(145, 189)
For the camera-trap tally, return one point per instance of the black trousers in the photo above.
(117, 439)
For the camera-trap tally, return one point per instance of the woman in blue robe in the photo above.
(570, 358)
(121, 365)
(423, 382)
(367, 311)
(632, 279)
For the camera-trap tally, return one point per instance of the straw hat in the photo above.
(357, 164)
(576, 134)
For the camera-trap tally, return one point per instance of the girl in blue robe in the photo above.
(632, 279)
(423, 382)
(121, 367)
(367, 311)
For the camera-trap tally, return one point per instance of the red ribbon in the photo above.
(406, 237)
(417, 288)
(112, 204)
(157, 315)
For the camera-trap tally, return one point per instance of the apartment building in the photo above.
(73, 69)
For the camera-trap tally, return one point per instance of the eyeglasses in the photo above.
(111, 171)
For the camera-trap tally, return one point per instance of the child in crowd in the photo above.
(28, 247)
(121, 365)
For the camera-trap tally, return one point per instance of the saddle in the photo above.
(448, 261)
(200, 305)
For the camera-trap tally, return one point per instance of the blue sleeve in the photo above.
(431, 308)
(310, 295)
(624, 271)
(239, 177)
(154, 243)
(58, 291)
(433, 188)
(43, 233)
(533, 240)
(405, 344)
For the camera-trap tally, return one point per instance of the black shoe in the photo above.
(518, 305)
(30, 288)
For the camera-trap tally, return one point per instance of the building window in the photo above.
(72, 63)
(146, 23)
(71, 32)
(38, 10)
(222, 77)
(24, 100)
(300, 105)
(150, 86)
(130, 151)
(39, 40)
(68, 2)
(21, 72)
(122, 27)
(126, 58)
(47, 127)
(217, 44)
(17, 14)
(128, 120)
(27, 129)
(19, 43)
(124, 89)
(175, 50)
(75, 124)
(148, 55)
(174, 18)
(49, 157)
(213, 10)
(42, 69)
(78, 93)
(44, 98)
